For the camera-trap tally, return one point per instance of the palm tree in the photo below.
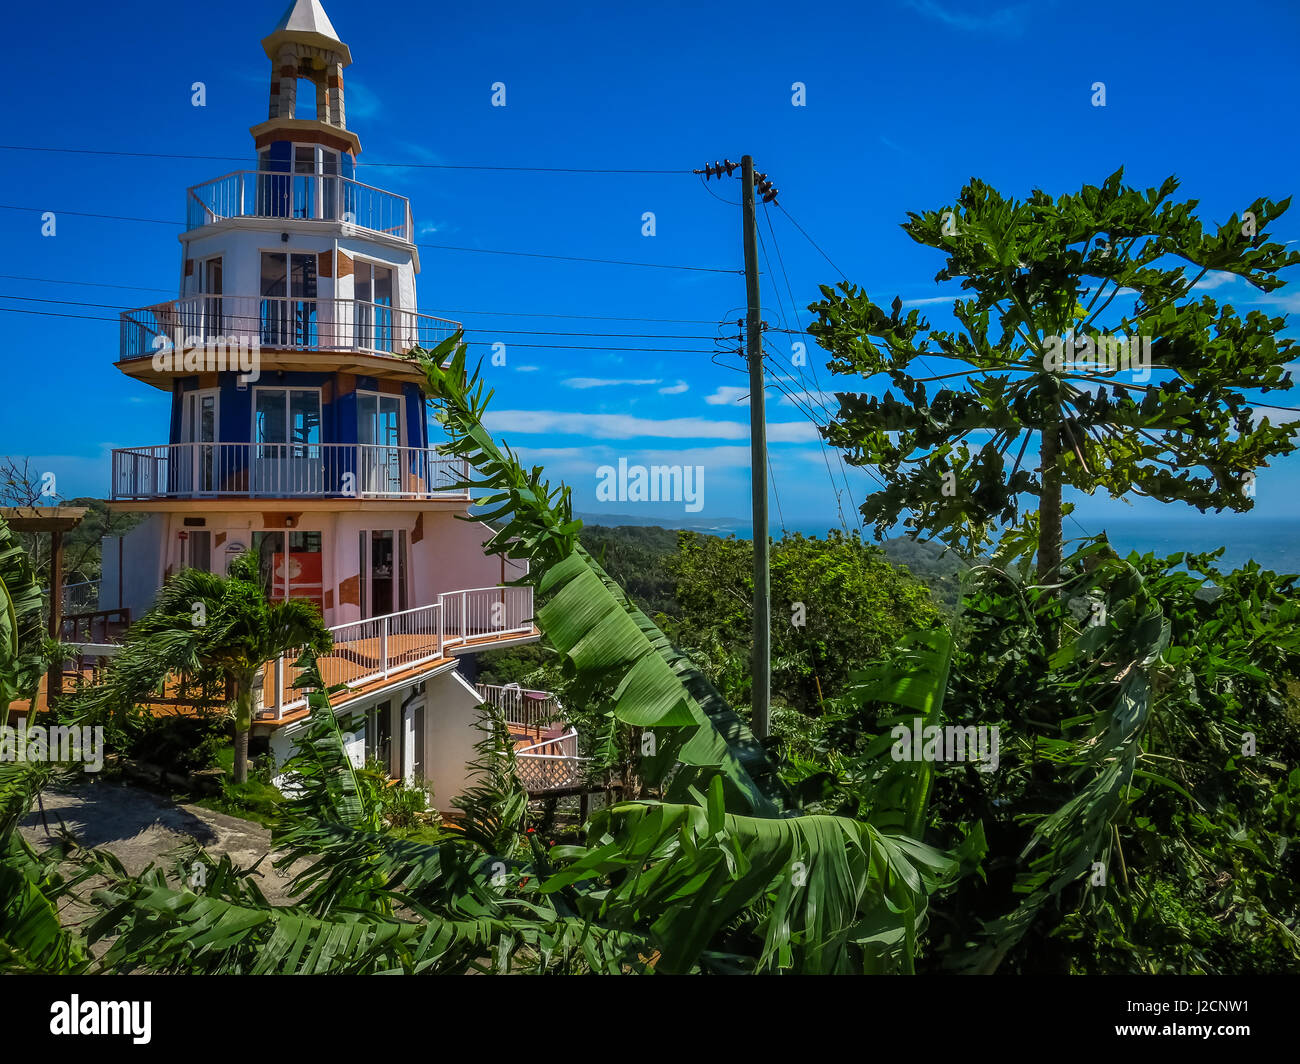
(215, 626)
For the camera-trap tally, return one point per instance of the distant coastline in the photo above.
(1273, 544)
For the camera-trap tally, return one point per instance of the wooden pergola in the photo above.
(55, 520)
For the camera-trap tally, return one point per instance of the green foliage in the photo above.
(208, 627)
(855, 606)
(495, 805)
(180, 743)
(1122, 754)
(1029, 268)
(22, 657)
(633, 556)
(613, 654)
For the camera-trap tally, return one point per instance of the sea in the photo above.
(1270, 542)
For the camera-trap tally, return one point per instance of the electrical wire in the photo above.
(440, 247)
(367, 163)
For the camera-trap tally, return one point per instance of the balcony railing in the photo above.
(286, 470)
(527, 709)
(380, 648)
(313, 197)
(224, 322)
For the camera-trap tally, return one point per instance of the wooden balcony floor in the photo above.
(350, 662)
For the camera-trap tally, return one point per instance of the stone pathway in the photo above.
(140, 827)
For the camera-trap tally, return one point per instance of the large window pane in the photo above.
(271, 416)
(304, 416)
(273, 274)
(304, 276)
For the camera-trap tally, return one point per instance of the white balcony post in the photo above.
(464, 631)
(441, 630)
(279, 687)
(383, 647)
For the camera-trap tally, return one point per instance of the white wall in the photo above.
(142, 567)
(451, 711)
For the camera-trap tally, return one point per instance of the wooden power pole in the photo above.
(762, 687)
(751, 184)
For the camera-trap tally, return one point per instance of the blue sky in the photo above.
(905, 101)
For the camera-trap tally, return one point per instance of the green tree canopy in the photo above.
(836, 603)
(1054, 286)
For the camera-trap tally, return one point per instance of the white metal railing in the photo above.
(222, 323)
(528, 709)
(317, 197)
(485, 612)
(286, 470)
(378, 647)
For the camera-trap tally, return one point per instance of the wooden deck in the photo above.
(355, 663)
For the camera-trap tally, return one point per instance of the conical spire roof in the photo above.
(305, 21)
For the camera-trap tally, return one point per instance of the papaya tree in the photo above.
(1083, 326)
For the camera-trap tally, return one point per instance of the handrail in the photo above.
(301, 197)
(232, 323)
(286, 470)
(397, 642)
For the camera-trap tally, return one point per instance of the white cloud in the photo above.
(728, 394)
(1289, 303)
(1008, 19)
(675, 389)
(1213, 279)
(928, 300)
(626, 427)
(527, 369)
(606, 382)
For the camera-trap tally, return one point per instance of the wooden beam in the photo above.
(42, 518)
(54, 678)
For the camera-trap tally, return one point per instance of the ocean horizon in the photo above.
(1272, 543)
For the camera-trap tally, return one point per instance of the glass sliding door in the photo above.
(287, 455)
(209, 309)
(379, 439)
(195, 468)
(291, 565)
(198, 550)
(288, 300)
(373, 287)
(383, 572)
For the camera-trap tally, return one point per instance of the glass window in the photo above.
(275, 272)
(303, 276)
(287, 415)
(304, 416)
(270, 413)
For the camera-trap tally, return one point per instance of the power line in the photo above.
(417, 166)
(88, 214)
(440, 247)
(484, 313)
(493, 332)
(558, 347)
(575, 258)
(839, 506)
(814, 243)
(776, 247)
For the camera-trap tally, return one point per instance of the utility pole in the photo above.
(762, 688)
(762, 656)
